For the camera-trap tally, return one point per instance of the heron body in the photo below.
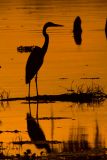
(34, 63)
(36, 57)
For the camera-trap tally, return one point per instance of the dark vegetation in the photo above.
(25, 48)
(89, 94)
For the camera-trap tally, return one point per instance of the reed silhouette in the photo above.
(36, 57)
(25, 48)
(77, 30)
(106, 28)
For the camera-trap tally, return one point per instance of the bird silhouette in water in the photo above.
(36, 57)
(36, 133)
(77, 30)
(106, 28)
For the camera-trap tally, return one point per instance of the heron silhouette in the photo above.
(36, 57)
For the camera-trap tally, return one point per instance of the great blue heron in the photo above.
(36, 57)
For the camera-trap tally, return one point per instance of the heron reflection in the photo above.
(36, 133)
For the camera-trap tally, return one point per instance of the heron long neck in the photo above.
(45, 45)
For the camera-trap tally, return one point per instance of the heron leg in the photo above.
(37, 96)
(36, 85)
(29, 99)
(29, 91)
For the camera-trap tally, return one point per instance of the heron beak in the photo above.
(58, 25)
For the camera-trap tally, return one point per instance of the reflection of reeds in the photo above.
(78, 141)
(76, 148)
(4, 95)
(79, 144)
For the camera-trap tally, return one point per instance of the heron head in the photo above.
(51, 24)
